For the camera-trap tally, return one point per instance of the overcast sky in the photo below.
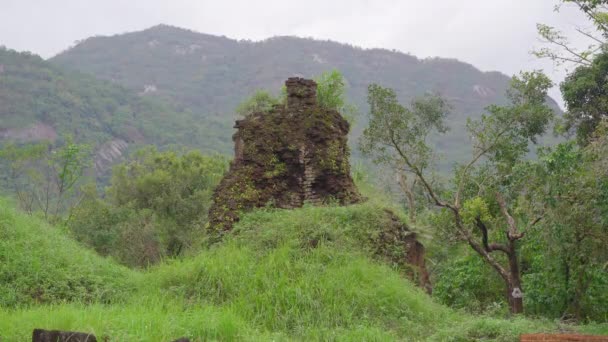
(490, 34)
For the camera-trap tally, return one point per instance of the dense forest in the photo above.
(478, 208)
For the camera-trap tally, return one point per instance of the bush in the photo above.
(156, 206)
(467, 282)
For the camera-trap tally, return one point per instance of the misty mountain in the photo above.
(41, 101)
(209, 75)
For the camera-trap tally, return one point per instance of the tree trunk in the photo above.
(408, 189)
(515, 293)
(516, 303)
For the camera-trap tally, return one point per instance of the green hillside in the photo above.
(254, 286)
(210, 75)
(172, 87)
(40, 101)
(41, 264)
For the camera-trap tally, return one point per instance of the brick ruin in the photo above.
(295, 153)
(562, 338)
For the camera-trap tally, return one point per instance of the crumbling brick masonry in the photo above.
(295, 153)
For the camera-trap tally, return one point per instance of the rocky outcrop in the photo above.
(109, 154)
(295, 153)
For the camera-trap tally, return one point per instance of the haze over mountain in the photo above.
(209, 75)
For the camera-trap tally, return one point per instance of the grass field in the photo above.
(264, 283)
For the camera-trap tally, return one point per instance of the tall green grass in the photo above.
(267, 282)
(40, 264)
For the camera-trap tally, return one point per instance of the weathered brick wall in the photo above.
(562, 338)
(296, 152)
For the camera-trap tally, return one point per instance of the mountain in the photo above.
(41, 101)
(209, 75)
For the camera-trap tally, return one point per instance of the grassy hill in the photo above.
(41, 264)
(210, 75)
(263, 283)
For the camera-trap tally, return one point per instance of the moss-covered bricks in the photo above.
(295, 153)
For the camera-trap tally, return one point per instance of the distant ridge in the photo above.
(198, 79)
(209, 75)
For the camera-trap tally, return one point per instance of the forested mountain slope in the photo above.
(40, 101)
(210, 75)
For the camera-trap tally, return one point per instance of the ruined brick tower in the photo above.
(295, 153)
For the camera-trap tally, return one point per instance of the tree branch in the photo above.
(588, 35)
(587, 10)
(472, 162)
(484, 238)
(418, 174)
(511, 226)
(567, 48)
(480, 250)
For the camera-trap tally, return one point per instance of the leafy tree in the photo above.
(567, 253)
(177, 188)
(466, 283)
(394, 129)
(260, 101)
(560, 50)
(583, 90)
(585, 93)
(330, 90)
(331, 93)
(45, 179)
(156, 206)
(500, 139)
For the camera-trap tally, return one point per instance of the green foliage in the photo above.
(261, 101)
(156, 205)
(585, 93)
(69, 164)
(45, 180)
(465, 282)
(331, 90)
(475, 208)
(173, 185)
(397, 136)
(505, 133)
(563, 257)
(567, 255)
(405, 130)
